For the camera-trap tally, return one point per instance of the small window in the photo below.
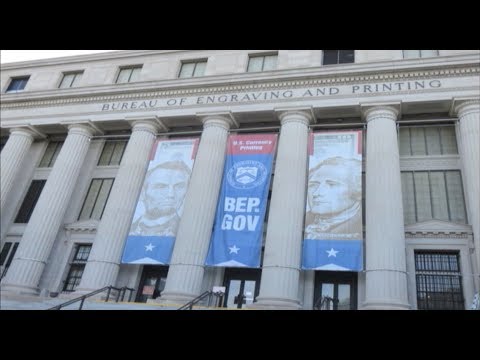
(51, 154)
(3, 141)
(427, 140)
(7, 255)
(96, 199)
(439, 281)
(193, 69)
(128, 74)
(71, 79)
(17, 84)
(431, 195)
(331, 57)
(77, 267)
(262, 63)
(112, 152)
(409, 54)
(33, 194)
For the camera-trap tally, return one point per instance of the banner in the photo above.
(333, 237)
(237, 234)
(160, 206)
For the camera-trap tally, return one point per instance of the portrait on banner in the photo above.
(334, 199)
(162, 197)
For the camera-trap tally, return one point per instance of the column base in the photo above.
(265, 303)
(19, 290)
(384, 304)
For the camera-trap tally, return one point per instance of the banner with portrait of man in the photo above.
(160, 205)
(237, 233)
(333, 238)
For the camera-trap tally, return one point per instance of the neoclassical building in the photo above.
(77, 134)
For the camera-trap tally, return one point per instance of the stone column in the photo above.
(104, 259)
(12, 158)
(283, 244)
(186, 270)
(386, 279)
(469, 124)
(39, 236)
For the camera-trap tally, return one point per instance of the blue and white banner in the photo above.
(333, 237)
(160, 206)
(237, 234)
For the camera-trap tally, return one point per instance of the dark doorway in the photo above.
(242, 287)
(152, 282)
(335, 290)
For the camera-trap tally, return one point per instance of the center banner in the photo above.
(160, 206)
(333, 223)
(237, 234)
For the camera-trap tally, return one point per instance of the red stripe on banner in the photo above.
(359, 141)
(153, 151)
(195, 148)
(251, 144)
(310, 143)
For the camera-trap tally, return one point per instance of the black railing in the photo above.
(324, 303)
(120, 296)
(209, 293)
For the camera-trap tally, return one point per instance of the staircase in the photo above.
(108, 298)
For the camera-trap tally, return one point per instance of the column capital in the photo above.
(296, 114)
(463, 106)
(372, 111)
(81, 129)
(26, 131)
(147, 123)
(85, 127)
(219, 119)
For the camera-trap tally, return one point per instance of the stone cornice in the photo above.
(284, 79)
(437, 228)
(84, 58)
(88, 226)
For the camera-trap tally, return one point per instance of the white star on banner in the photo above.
(332, 252)
(234, 249)
(149, 247)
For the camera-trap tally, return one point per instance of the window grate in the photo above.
(77, 267)
(439, 281)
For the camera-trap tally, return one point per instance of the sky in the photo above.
(7, 56)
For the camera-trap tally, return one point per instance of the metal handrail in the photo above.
(189, 305)
(321, 301)
(120, 294)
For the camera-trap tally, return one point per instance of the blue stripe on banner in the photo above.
(344, 255)
(237, 236)
(148, 249)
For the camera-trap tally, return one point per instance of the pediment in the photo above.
(85, 225)
(438, 226)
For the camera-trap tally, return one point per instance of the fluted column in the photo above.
(469, 124)
(186, 270)
(39, 236)
(386, 280)
(12, 158)
(104, 259)
(283, 244)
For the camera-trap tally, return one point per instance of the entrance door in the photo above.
(335, 290)
(152, 282)
(241, 287)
